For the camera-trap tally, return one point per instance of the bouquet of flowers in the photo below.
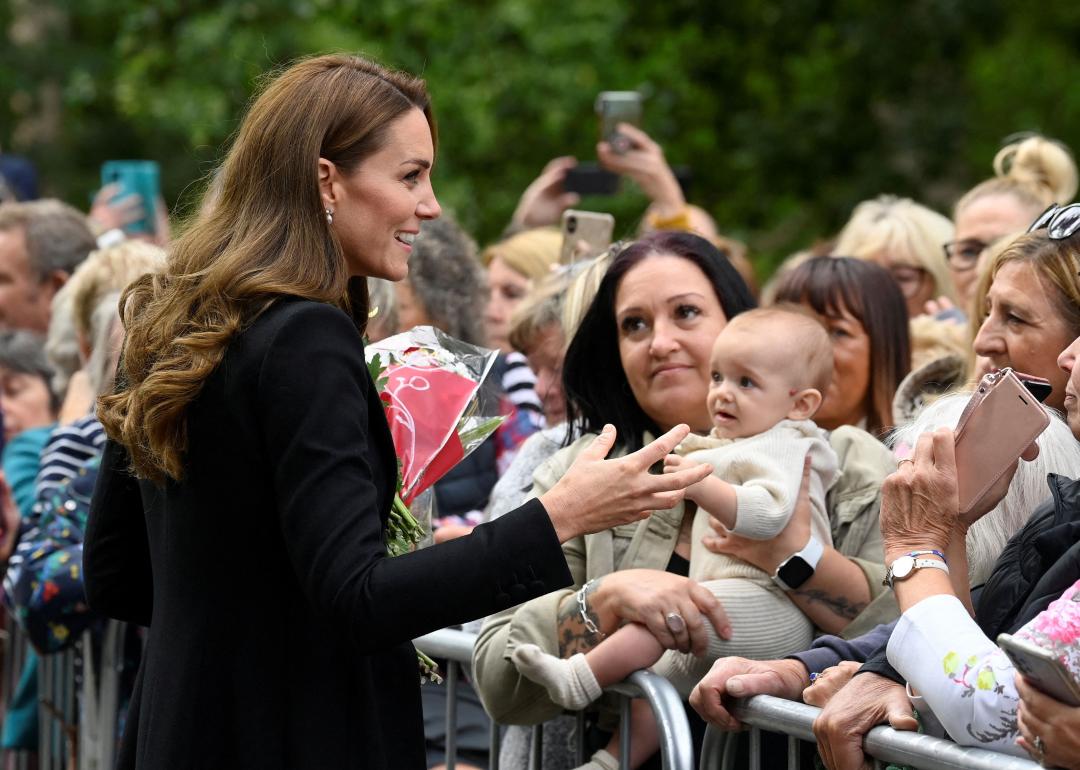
(432, 389)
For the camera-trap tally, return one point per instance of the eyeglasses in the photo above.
(1059, 221)
(909, 278)
(964, 255)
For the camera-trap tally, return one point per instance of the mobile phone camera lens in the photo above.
(571, 225)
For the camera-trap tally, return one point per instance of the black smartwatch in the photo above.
(799, 567)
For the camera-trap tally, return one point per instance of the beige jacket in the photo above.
(510, 698)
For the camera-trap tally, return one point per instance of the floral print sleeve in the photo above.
(44, 582)
(963, 677)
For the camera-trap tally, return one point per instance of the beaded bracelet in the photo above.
(928, 552)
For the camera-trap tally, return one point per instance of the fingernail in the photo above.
(735, 686)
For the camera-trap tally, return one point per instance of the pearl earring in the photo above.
(329, 217)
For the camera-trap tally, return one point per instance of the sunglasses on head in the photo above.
(1059, 221)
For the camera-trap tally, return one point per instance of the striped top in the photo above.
(519, 382)
(69, 448)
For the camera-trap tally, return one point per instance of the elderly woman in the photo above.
(640, 360)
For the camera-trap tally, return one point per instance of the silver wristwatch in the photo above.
(905, 567)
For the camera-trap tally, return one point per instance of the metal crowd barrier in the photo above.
(763, 712)
(78, 696)
(676, 743)
(883, 744)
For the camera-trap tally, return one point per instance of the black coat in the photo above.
(279, 630)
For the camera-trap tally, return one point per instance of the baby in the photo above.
(770, 368)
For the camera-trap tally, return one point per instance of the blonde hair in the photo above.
(265, 236)
(106, 271)
(1036, 171)
(1055, 264)
(532, 253)
(582, 290)
(811, 360)
(900, 225)
(540, 311)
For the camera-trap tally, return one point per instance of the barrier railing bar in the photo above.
(794, 755)
(451, 714)
(625, 708)
(494, 746)
(882, 743)
(536, 751)
(676, 742)
(755, 748)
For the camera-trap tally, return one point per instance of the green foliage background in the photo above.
(788, 111)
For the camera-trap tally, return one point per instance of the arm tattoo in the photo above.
(840, 606)
(573, 636)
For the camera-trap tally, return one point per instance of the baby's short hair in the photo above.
(811, 353)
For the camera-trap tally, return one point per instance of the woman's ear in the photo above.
(328, 178)
(806, 403)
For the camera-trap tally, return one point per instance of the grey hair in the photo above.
(1059, 452)
(447, 279)
(58, 236)
(62, 342)
(23, 352)
(101, 366)
(382, 299)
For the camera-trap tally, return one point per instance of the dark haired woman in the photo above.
(245, 489)
(865, 313)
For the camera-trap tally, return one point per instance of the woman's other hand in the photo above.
(767, 555)
(829, 682)
(1055, 723)
(740, 678)
(544, 200)
(596, 494)
(650, 597)
(919, 502)
(644, 162)
(866, 701)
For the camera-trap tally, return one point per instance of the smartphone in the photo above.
(590, 179)
(1042, 668)
(136, 177)
(1000, 421)
(613, 108)
(1037, 386)
(585, 235)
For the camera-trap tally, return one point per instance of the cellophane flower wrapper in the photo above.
(440, 406)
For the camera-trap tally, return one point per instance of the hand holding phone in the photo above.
(585, 235)
(1002, 419)
(134, 179)
(1043, 668)
(613, 108)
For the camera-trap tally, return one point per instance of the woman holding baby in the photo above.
(642, 361)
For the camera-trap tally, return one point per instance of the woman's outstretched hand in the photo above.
(597, 494)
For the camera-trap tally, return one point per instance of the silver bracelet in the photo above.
(583, 609)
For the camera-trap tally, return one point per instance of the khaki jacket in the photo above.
(510, 698)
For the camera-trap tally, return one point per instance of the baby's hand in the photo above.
(674, 463)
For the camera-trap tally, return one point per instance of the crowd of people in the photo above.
(182, 414)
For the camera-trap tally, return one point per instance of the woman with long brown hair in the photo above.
(245, 488)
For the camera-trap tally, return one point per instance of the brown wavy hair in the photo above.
(265, 236)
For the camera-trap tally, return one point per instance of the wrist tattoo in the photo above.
(838, 605)
(573, 633)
